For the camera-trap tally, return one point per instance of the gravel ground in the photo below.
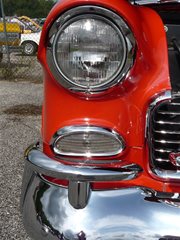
(20, 120)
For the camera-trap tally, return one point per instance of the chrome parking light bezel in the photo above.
(86, 129)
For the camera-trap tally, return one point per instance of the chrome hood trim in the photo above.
(132, 213)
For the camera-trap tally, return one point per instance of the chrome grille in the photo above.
(164, 135)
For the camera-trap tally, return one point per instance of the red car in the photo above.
(109, 164)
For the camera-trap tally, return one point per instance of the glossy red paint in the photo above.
(122, 108)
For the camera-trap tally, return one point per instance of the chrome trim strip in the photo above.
(166, 132)
(118, 22)
(41, 163)
(166, 141)
(168, 113)
(63, 132)
(147, 2)
(167, 122)
(130, 213)
(162, 150)
(162, 160)
(175, 104)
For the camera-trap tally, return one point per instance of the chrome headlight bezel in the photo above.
(107, 16)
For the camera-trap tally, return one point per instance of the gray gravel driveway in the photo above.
(20, 120)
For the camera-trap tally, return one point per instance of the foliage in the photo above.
(30, 8)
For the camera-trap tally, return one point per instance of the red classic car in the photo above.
(108, 166)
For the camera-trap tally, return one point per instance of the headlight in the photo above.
(89, 52)
(91, 49)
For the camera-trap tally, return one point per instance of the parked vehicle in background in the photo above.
(30, 43)
(13, 33)
(108, 166)
(35, 27)
(13, 40)
(30, 36)
(26, 23)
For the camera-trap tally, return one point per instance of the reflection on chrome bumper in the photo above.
(133, 213)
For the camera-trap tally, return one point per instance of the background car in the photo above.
(30, 36)
(30, 43)
(13, 39)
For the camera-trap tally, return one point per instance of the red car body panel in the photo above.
(124, 107)
(135, 194)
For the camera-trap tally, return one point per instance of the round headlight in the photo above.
(89, 52)
(91, 49)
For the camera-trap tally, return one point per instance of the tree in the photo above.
(30, 8)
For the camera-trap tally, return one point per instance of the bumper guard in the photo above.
(49, 212)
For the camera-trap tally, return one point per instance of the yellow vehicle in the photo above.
(32, 24)
(13, 34)
(27, 24)
(13, 39)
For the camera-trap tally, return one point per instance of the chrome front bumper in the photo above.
(50, 212)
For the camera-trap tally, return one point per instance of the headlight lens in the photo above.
(90, 49)
(90, 52)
